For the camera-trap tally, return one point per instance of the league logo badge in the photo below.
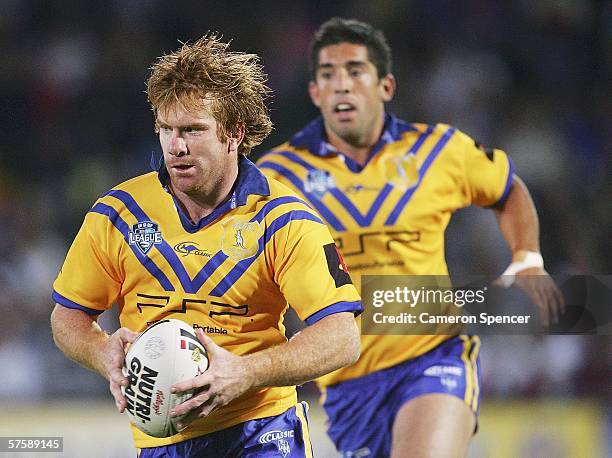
(144, 235)
(402, 171)
(240, 238)
(318, 182)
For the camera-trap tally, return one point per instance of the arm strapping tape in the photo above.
(531, 259)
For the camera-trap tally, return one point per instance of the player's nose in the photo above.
(178, 146)
(343, 82)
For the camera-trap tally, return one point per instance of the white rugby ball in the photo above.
(165, 353)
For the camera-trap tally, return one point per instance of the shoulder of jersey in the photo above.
(458, 135)
(455, 137)
(275, 154)
(141, 185)
(278, 189)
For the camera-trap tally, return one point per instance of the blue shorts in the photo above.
(282, 436)
(362, 411)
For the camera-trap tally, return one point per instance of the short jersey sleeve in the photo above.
(488, 173)
(89, 279)
(311, 273)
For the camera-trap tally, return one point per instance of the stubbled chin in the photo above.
(184, 182)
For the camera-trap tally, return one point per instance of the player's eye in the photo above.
(194, 130)
(163, 129)
(325, 75)
(355, 72)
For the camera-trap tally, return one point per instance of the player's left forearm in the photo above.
(329, 344)
(518, 221)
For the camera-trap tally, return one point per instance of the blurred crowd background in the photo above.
(532, 78)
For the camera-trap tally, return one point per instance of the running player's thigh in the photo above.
(432, 425)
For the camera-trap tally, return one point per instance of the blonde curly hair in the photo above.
(234, 83)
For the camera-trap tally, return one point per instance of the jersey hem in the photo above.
(147, 442)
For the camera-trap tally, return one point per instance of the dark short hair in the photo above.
(338, 30)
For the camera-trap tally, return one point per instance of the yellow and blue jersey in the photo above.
(232, 274)
(389, 216)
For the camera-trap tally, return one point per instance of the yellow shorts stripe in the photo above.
(473, 358)
(300, 410)
(469, 371)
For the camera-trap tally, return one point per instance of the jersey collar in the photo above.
(313, 138)
(250, 181)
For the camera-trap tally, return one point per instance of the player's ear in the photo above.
(313, 91)
(387, 87)
(234, 140)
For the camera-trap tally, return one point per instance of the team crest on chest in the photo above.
(143, 235)
(318, 182)
(240, 238)
(402, 171)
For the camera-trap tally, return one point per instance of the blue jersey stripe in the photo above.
(209, 268)
(316, 203)
(64, 301)
(193, 285)
(507, 187)
(338, 307)
(403, 201)
(241, 266)
(122, 227)
(165, 249)
(298, 160)
(274, 203)
(189, 285)
(341, 197)
(361, 220)
(419, 142)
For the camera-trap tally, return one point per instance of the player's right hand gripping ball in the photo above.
(165, 353)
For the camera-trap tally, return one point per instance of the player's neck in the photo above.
(357, 149)
(199, 205)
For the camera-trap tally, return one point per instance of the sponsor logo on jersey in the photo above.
(206, 329)
(318, 182)
(357, 188)
(402, 171)
(275, 435)
(210, 329)
(240, 238)
(144, 235)
(187, 248)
